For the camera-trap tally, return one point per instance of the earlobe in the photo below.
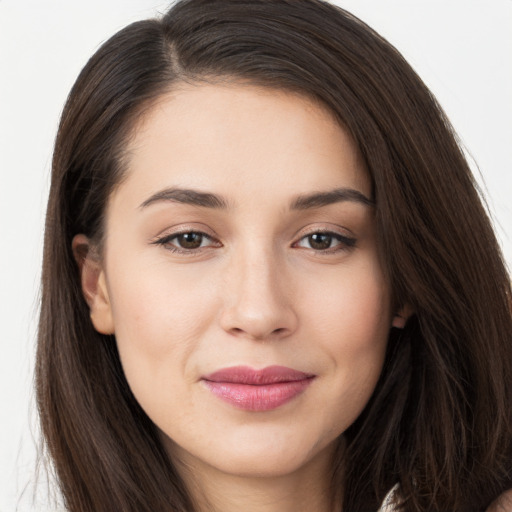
(401, 316)
(94, 285)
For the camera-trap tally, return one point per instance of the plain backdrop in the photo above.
(461, 48)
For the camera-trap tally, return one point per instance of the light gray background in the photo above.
(461, 48)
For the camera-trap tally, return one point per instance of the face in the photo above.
(241, 279)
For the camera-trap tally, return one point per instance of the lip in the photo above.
(257, 390)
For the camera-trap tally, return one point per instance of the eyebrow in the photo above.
(319, 199)
(187, 196)
(302, 202)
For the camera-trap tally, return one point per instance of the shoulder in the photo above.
(502, 504)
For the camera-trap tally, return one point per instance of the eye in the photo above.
(190, 240)
(186, 241)
(326, 241)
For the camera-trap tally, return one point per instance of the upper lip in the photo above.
(251, 376)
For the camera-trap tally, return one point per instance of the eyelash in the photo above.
(345, 243)
(166, 240)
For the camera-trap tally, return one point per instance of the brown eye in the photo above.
(320, 241)
(189, 240)
(326, 241)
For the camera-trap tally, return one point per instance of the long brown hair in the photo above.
(440, 420)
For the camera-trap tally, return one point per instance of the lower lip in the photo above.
(265, 397)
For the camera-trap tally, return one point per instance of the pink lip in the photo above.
(257, 390)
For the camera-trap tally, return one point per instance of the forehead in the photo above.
(237, 138)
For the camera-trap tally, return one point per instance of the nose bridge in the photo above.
(257, 304)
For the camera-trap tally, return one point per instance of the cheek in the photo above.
(352, 324)
(160, 320)
(352, 308)
(157, 306)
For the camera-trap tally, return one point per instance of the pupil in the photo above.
(320, 241)
(190, 240)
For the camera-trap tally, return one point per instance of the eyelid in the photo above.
(182, 228)
(325, 228)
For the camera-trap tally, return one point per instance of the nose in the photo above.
(257, 301)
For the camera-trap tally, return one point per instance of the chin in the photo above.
(264, 454)
(264, 464)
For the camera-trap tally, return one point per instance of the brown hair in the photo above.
(439, 421)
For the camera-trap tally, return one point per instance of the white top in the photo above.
(387, 504)
(502, 504)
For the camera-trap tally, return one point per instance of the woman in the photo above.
(269, 282)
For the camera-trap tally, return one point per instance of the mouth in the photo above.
(257, 390)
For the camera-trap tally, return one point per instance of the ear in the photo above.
(94, 285)
(401, 316)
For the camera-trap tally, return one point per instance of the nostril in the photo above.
(260, 335)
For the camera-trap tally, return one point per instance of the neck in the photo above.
(308, 488)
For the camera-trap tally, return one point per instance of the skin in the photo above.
(257, 291)
(503, 503)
